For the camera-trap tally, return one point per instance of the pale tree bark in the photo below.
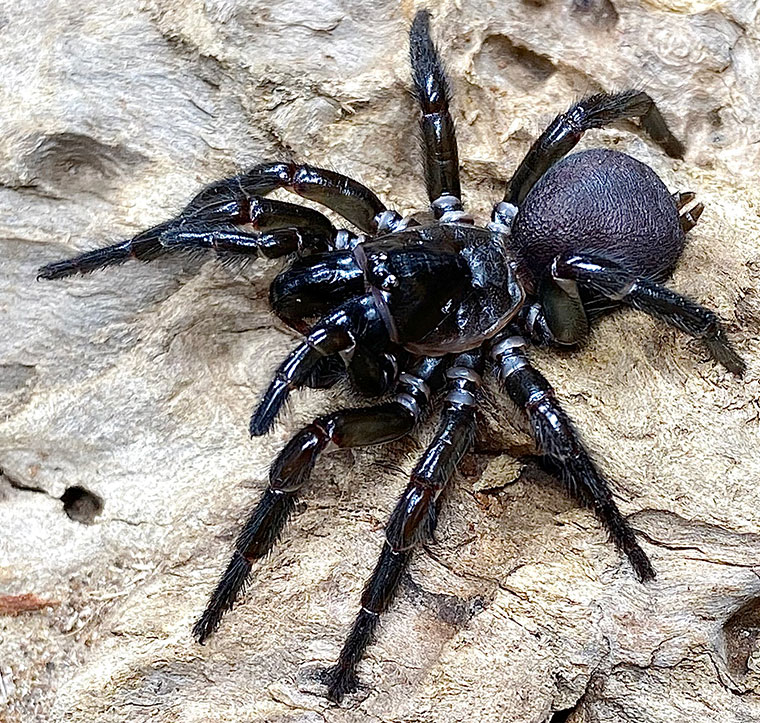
(136, 384)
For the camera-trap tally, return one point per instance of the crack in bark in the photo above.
(19, 485)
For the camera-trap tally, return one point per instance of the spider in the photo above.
(417, 309)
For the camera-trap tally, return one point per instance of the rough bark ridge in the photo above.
(131, 389)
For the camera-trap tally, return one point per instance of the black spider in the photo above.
(410, 308)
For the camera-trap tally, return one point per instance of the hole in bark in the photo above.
(714, 117)
(75, 161)
(742, 635)
(562, 716)
(81, 505)
(600, 13)
(502, 62)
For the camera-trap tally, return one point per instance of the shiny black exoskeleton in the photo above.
(408, 308)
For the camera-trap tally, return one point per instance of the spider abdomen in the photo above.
(599, 201)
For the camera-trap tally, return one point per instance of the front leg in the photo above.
(347, 197)
(557, 440)
(146, 246)
(238, 200)
(213, 224)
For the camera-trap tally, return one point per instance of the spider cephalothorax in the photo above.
(408, 309)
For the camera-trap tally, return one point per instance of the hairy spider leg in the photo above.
(347, 197)
(614, 282)
(292, 469)
(196, 227)
(560, 444)
(438, 136)
(337, 332)
(562, 134)
(234, 201)
(414, 516)
(145, 246)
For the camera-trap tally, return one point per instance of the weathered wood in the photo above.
(136, 384)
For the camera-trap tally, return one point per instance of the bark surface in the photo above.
(125, 395)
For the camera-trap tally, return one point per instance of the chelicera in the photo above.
(418, 309)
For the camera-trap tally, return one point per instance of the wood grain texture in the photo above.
(137, 383)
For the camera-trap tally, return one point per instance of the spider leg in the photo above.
(440, 156)
(558, 441)
(347, 197)
(292, 469)
(336, 332)
(595, 111)
(614, 282)
(229, 240)
(313, 285)
(198, 224)
(237, 200)
(146, 246)
(414, 515)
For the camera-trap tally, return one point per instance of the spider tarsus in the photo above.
(341, 678)
(340, 681)
(259, 534)
(641, 564)
(144, 247)
(87, 262)
(431, 83)
(231, 583)
(625, 539)
(721, 350)
(265, 414)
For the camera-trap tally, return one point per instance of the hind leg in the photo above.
(564, 132)
(615, 283)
